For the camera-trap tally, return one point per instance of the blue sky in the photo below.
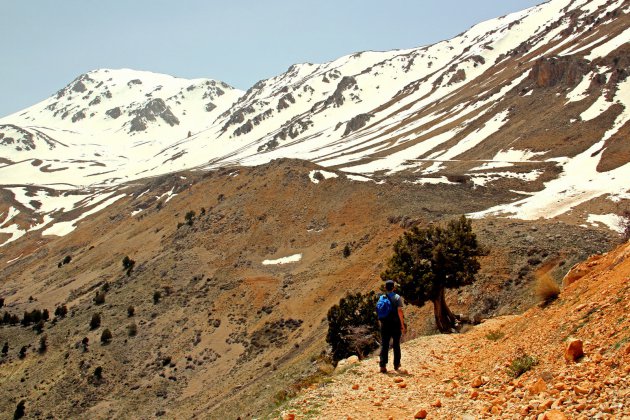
(45, 44)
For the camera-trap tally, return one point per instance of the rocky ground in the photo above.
(471, 375)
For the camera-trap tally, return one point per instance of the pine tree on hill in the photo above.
(428, 261)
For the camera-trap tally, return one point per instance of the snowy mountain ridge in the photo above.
(533, 101)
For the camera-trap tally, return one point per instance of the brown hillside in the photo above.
(228, 333)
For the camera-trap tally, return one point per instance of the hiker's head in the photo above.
(389, 285)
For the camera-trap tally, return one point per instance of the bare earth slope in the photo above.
(466, 375)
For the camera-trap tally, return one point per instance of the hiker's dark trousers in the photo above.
(389, 333)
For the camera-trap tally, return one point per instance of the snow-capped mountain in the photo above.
(537, 101)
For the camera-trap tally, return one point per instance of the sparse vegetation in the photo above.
(346, 251)
(85, 343)
(190, 217)
(39, 326)
(22, 353)
(34, 316)
(521, 364)
(495, 335)
(61, 311)
(106, 336)
(353, 326)
(132, 330)
(547, 289)
(95, 322)
(128, 264)
(20, 410)
(99, 299)
(98, 373)
(428, 261)
(43, 344)
(131, 311)
(5, 348)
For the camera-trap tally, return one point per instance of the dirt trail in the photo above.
(467, 376)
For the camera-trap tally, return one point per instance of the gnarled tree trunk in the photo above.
(444, 318)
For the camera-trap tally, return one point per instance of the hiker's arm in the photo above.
(402, 320)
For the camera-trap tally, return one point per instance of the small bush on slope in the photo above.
(546, 289)
(353, 326)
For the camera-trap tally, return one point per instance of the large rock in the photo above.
(574, 351)
(344, 364)
(421, 414)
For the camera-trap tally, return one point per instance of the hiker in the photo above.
(392, 324)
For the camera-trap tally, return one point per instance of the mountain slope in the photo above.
(535, 102)
(244, 288)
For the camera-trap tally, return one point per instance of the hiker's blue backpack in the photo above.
(383, 307)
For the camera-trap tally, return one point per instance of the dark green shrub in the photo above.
(128, 265)
(95, 322)
(6, 318)
(346, 251)
(190, 217)
(106, 336)
(99, 299)
(67, 260)
(32, 317)
(85, 343)
(353, 326)
(1, 302)
(22, 353)
(20, 410)
(43, 343)
(131, 311)
(132, 330)
(45, 315)
(98, 373)
(5, 348)
(61, 311)
(156, 297)
(39, 327)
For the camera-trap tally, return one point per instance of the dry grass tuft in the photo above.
(547, 289)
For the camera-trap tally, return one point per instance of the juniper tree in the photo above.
(428, 261)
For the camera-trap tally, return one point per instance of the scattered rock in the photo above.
(554, 415)
(539, 386)
(421, 414)
(574, 351)
(477, 382)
